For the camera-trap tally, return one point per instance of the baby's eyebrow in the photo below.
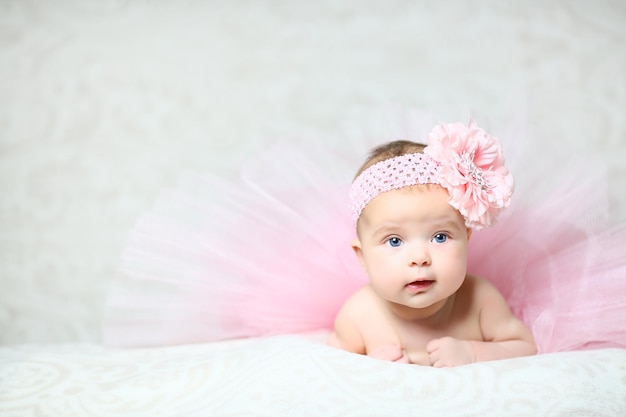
(446, 223)
(386, 228)
(449, 226)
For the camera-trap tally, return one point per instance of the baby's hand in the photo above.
(448, 352)
(392, 353)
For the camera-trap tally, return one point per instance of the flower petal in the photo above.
(472, 170)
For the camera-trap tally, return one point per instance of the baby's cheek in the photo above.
(375, 272)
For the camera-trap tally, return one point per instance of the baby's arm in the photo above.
(346, 334)
(504, 336)
(347, 337)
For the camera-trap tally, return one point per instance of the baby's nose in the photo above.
(420, 257)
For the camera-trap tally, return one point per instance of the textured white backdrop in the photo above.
(102, 103)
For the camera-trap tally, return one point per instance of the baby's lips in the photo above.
(421, 280)
(420, 284)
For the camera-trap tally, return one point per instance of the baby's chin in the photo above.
(416, 307)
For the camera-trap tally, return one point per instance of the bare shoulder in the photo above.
(347, 333)
(480, 296)
(480, 289)
(358, 304)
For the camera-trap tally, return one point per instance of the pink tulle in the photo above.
(269, 252)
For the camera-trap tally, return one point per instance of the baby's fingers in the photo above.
(433, 345)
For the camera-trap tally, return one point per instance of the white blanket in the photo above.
(299, 376)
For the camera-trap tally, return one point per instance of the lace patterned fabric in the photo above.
(299, 376)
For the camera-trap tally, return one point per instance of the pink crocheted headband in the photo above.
(463, 159)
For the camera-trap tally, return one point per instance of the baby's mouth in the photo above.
(420, 284)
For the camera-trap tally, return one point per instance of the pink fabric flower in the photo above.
(472, 170)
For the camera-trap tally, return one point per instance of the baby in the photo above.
(415, 208)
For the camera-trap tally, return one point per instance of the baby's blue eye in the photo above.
(394, 242)
(440, 238)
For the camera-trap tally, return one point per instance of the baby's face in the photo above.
(413, 246)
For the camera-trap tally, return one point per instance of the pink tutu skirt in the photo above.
(269, 252)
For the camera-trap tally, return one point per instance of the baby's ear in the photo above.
(356, 247)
